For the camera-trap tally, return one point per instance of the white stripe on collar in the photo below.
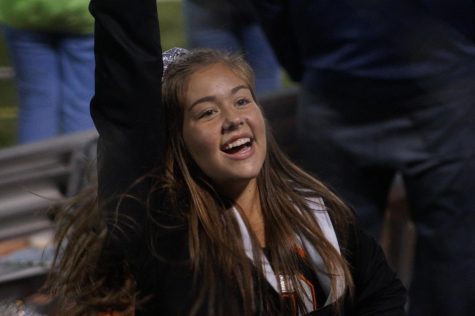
(246, 240)
(323, 219)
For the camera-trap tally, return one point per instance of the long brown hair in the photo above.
(214, 248)
(187, 195)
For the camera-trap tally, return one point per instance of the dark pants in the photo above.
(357, 143)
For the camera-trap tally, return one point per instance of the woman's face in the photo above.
(223, 128)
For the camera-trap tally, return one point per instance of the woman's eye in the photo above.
(206, 113)
(243, 101)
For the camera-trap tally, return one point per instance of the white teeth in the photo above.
(236, 143)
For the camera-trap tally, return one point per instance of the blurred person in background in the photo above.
(52, 51)
(232, 26)
(386, 87)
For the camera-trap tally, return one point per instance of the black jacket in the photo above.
(128, 115)
(332, 45)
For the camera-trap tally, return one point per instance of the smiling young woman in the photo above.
(222, 223)
(223, 127)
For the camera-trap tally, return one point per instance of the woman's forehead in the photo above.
(207, 75)
(214, 82)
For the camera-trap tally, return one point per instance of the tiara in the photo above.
(171, 55)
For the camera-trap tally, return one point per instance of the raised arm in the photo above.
(126, 107)
(127, 112)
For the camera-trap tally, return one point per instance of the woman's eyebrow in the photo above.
(209, 98)
(236, 89)
(212, 98)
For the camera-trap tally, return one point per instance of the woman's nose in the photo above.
(232, 121)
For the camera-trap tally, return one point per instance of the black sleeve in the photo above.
(378, 291)
(127, 112)
(276, 21)
(126, 107)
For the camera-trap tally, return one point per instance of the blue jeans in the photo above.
(233, 32)
(55, 80)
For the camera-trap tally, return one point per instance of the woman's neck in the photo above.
(248, 200)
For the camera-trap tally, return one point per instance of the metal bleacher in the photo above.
(34, 178)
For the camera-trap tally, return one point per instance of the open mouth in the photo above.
(237, 145)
